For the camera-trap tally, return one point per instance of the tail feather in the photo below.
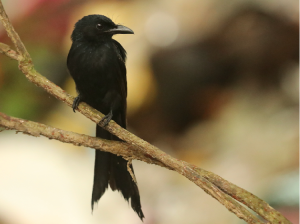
(101, 175)
(112, 170)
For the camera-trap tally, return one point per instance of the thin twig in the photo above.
(129, 165)
(5, 49)
(13, 34)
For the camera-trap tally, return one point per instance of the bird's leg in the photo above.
(76, 102)
(106, 119)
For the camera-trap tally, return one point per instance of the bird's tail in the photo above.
(112, 170)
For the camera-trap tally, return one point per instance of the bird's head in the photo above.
(97, 27)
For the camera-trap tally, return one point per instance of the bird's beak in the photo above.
(120, 30)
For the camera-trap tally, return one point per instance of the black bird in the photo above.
(97, 64)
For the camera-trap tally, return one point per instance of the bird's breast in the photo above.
(95, 69)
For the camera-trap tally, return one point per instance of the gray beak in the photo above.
(120, 30)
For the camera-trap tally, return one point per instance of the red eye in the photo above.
(99, 26)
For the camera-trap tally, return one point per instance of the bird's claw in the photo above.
(76, 102)
(106, 119)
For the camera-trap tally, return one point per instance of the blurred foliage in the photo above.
(23, 99)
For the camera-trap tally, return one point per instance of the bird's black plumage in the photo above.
(97, 64)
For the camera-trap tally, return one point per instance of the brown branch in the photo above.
(5, 49)
(37, 129)
(13, 34)
(127, 151)
(134, 148)
(245, 197)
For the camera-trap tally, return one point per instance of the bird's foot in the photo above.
(76, 102)
(106, 119)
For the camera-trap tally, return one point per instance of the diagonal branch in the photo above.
(128, 151)
(134, 148)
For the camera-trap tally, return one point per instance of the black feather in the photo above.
(97, 64)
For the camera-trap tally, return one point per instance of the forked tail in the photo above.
(112, 170)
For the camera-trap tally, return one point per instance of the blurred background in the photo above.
(212, 82)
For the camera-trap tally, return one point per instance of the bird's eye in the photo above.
(99, 26)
